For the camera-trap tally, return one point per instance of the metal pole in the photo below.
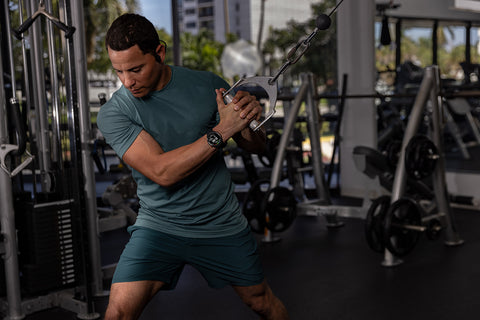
(415, 118)
(289, 125)
(439, 184)
(55, 92)
(7, 218)
(41, 111)
(284, 139)
(314, 132)
(86, 140)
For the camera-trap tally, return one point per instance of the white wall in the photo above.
(356, 53)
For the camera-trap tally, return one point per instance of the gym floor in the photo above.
(331, 273)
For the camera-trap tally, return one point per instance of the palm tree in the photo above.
(99, 14)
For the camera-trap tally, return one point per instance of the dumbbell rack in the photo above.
(428, 93)
(323, 204)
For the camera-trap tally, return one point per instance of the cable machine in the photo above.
(48, 216)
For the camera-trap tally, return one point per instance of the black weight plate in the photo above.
(421, 156)
(397, 239)
(252, 205)
(374, 223)
(280, 204)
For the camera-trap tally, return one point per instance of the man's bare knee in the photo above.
(262, 301)
(128, 299)
(117, 311)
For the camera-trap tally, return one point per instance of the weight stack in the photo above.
(47, 246)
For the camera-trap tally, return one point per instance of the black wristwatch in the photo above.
(215, 140)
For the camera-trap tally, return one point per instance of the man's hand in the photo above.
(248, 106)
(236, 116)
(245, 108)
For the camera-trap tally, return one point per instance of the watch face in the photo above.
(214, 139)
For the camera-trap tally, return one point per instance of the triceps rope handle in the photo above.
(268, 85)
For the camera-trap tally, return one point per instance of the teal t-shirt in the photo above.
(204, 204)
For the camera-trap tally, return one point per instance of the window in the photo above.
(205, 12)
(207, 25)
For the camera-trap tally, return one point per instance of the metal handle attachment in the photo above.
(270, 88)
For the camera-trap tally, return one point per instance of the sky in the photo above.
(159, 12)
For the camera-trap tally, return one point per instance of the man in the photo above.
(169, 124)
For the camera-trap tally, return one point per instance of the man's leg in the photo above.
(128, 299)
(261, 299)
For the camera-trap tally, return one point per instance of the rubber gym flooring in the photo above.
(325, 273)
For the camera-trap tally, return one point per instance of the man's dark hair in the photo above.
(132, 29)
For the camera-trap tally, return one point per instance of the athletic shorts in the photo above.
(153, 255)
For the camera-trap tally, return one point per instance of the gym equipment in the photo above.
(374, 222)
(55, 219)
(279, 204)
(421, 156)
(402, 181)
(402, 227)
(404, 222)
(269, 209)
(398, 226)
(69, 30)
(272, 209)
(252, 206)
(322, 205)
(269, 83)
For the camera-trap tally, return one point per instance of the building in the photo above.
(240, 17)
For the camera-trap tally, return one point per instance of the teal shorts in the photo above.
(152, 255)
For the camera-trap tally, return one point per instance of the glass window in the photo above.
(451, 51)
(385, 58)
(191, 25)
(416, 45)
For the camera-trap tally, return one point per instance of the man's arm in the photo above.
(167, 168)
(251, 141)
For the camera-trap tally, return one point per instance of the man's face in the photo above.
(140, 73)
